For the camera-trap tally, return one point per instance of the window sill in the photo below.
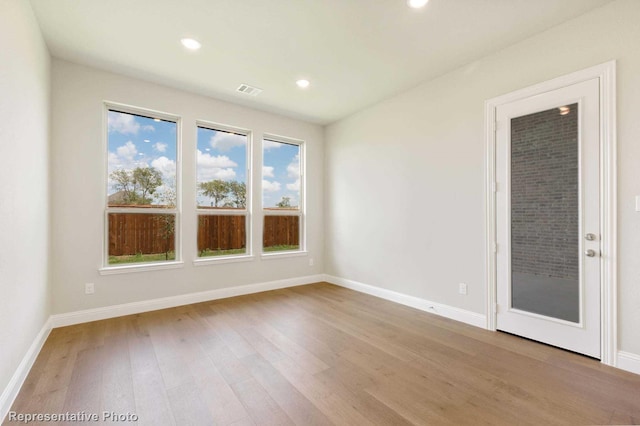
(113, 270)
(284, 254)
(204, 261)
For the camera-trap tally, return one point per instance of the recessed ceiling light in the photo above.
(157, 120)
(417, 4)
(303, 84)
(190, 43)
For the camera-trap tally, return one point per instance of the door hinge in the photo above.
(496, 308)
(495, 247)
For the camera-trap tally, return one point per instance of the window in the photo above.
(142, 189)
(282, 195)
(222, 191)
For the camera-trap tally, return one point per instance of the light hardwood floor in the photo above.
(318, 354)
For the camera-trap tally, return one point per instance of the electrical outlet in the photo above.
(89, 288)
(311, 262)
(462, 289)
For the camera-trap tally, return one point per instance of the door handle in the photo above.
(590, 253)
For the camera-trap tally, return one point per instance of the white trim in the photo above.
(212, 125)
(468, 317)
(12, 389)
(213, 260)
(301, 211)
(144, 267)
(609, 214)
(274, 211)
(79, 317)
(491, 214)
(221, 212)
(607, 74)
(177, 210)
(628, 361)
(283, 254)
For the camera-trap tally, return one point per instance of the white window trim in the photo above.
(107, 269)
(140, 267)
(246, 212)
(215, 260)
(283, 254)
(301, 212)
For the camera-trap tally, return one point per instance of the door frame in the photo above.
(606, 73)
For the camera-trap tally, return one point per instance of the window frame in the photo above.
(246, 212)
(300, 212)
(106, 268)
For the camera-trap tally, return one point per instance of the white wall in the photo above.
(404, 178)
(24, 184)
(78, 170)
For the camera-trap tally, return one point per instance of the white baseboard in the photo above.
(629, 362)
(10, 392)
(88, 315)
(447, 311)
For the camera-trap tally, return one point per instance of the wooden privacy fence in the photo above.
(132, 233)
(281, 230)
(221, 232)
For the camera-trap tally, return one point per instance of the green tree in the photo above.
(238, 194)
(216, 189)
(167, 222)
(146, 180)
(123, 182)
(137, 185)
(285, 202)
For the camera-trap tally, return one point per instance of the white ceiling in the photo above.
(354, 52)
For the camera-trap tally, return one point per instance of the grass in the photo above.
(281, 248)
(141, 258)
(219, 252)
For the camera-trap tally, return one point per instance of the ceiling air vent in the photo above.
(249, 90)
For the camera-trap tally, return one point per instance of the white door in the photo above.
(548, 217)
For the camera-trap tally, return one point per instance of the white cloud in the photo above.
(267, 144)
(215, 167)
(208, 160)
(267, 171)
(123, 123)
(223, 141)
(165, 166)
(293, 169)
(127, 151)
(270, 186)
(148, 128)
(294, 186)
(125, 157)
(222, 174)
(160, 147)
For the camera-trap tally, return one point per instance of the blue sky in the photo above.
(136, 141)
(221, 155)
(280, 173)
